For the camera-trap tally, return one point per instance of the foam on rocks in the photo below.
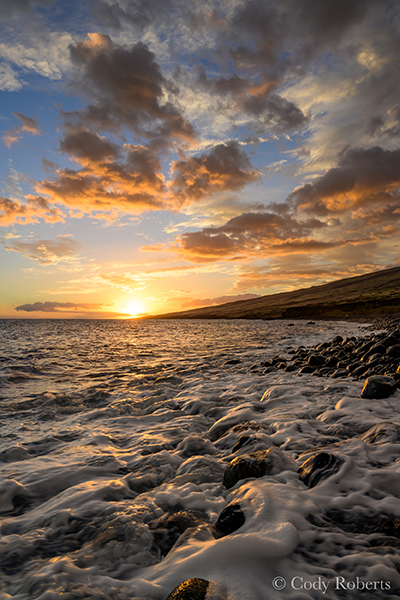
(163, 462)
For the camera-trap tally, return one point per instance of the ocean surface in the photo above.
(114, 439)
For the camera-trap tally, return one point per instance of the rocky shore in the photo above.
(375, 359)
(377, 354)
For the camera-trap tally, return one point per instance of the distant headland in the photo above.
(371, 295)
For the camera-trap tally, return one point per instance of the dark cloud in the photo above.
(225, 168)
(274, 113)
(46, 251)
(87, 146)
(126, 89)
(9, 8)
(362, 177)
(138, 13)
(252, 234)
(53, 307)
(269, 111)
(35, 207)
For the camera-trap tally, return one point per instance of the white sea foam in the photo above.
(110, 426)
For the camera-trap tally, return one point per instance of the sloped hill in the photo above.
(372, 294)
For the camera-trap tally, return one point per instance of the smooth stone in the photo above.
(315, 360)
(378, 386)
(340, 373)
(382, 433)
(319, 467)
(394, 351)
(256, 464)
(191, 589)
(306, 369)
(230, 519)
(168, 528)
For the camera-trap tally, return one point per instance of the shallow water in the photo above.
(109, 426)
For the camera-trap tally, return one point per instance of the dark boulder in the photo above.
(319, 467)
(378, 386)
(230, 519)
(394, 351)
(316, 360)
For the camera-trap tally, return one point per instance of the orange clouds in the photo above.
(250, 235)
(12, 211)
(134, 184)
(363, 177)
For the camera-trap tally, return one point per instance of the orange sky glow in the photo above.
(161, 156)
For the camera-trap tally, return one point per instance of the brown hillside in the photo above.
(366, 295)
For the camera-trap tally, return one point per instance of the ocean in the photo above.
(115, 438)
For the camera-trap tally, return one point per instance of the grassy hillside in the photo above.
(366, 295)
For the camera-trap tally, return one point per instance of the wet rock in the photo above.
(383, 525)
(390, 341)
(359, 371)
(306, 369)
(256, 464)
(252, 443)
(231, 361)
(378, 386)
(191, 589)
(230, 519)
(340, 373)
(168, 528)
(319, 467)
(394, 351)
(198, 589)
(315, 360)
(382, 433)
(337, 340)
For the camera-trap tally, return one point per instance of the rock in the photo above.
(230, 519)
(394, 351)
(256, 464)
(390, 341)
(306, 369)
(191, 589)
(168, 528)
(382, 433)
(231, 361)
(337, 340)
(378, 386)
(315, 360)
(340, 373)
(319, 467)
(359, 371)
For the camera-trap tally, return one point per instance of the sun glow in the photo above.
(134, 308)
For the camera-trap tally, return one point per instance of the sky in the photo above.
(163, 155)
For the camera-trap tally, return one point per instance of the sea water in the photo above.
(106, 427)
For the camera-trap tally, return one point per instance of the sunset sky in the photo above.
(161, 155)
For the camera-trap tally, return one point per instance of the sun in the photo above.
(134, 308)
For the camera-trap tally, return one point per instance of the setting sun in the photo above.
(134, 308)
